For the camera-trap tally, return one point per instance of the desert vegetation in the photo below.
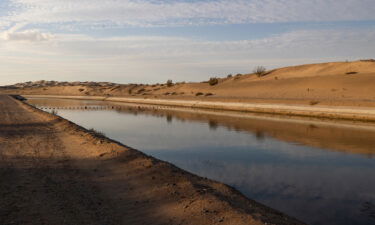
(97, 133)
(260, 71)
(169, 83)
(213, 81)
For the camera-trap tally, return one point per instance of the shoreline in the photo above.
(285, 128)
(366, 114)
(132, 187)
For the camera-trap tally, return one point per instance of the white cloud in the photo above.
(27, 35)
(167, 13)
(155, 58)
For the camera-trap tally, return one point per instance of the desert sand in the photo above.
(55, 172)
(342, 90)
(337, 83)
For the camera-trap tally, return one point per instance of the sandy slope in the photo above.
(54, 172)
(326, 84)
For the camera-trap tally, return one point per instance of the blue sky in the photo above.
(155, 40)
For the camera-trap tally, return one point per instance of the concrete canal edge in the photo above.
(366, 114)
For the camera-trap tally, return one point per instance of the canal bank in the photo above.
(61, 173)
(330, 112)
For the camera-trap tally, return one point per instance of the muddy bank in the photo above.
(332, 112)
(55, 172)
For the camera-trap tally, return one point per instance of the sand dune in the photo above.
(337, 83)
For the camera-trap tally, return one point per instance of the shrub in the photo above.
(199, 94)
(169, 83)
(367, 60)
(141, 90)
(238, 76)
(351, 73)
(96, 133)
(208, 94)
(81, 89)
(260, 71)
(314, 102)
(229, 76)
(213, 81)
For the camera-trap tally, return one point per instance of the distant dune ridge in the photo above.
(335, 83)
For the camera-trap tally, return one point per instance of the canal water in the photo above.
(319, 171)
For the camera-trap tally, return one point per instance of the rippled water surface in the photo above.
(321, 172)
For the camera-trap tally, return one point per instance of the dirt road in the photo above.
(55, 172)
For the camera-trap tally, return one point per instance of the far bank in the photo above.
(331, 112)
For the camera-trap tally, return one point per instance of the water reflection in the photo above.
(321, 172)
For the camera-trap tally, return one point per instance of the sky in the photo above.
(150, 41)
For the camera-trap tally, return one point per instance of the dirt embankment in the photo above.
(55, 172)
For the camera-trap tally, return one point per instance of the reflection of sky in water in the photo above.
(314, 185)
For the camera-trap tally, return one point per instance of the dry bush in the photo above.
(238, 76)
(260, 71)
(367, 60)
(199, 94)
(169, 83)
(141, 90)
(213, 81)
(96, 133)
(313, 102)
